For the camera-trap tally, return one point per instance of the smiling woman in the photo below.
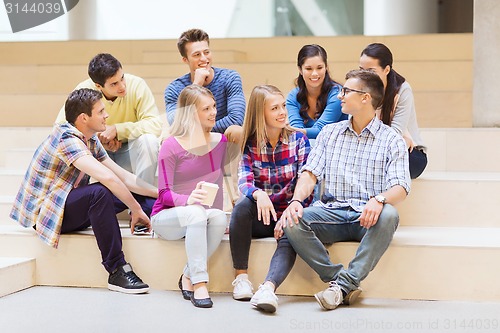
(189, 159)
(273, 153)
(313, 103)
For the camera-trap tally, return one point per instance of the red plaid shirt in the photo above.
(273, 170)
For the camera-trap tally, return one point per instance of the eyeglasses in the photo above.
(346, 90)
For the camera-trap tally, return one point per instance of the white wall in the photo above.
(131, 19)
(400, 17)
(53, 30)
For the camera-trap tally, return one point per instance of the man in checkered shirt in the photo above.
(364, 167)
(56, 197)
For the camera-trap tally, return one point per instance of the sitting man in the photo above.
(225, 85)
(133, 129)
(364, 167)
(55, 196)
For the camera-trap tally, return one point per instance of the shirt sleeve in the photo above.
(167, 163)
(246, 181)
(404, 108)
(148, 117)
(398, 171)
(316, 159)
(172, 93)
(235, 104)
(71, 148)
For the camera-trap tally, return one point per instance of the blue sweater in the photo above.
(228, 92)
(331, 114)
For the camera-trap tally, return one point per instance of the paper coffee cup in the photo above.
(211, 193)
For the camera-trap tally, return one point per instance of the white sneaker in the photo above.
(265, 299)
(243, 289)
(331, 297)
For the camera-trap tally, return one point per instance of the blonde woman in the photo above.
(191, 156)
(272, 155)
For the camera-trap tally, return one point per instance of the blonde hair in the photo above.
(254, 125)
(185, 119)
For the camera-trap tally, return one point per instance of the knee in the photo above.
(389, 218)
(101, 193)
(197, 215)
(292, 232)
(148, 142)
(218, 218)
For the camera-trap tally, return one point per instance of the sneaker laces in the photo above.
(132, 277)
(335, 288)
(240, 279)
(266, 290)
(237, 283)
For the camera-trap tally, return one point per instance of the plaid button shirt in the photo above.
(50, 177)
(356, 167)
(273, 170)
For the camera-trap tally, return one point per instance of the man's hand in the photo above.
(291, 214)
(112, 145)
(200, 76)
(139, 218)
(370, 214)
(265, 207)
(108, 135)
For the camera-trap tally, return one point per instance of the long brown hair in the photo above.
(394, 79)
(254, 125)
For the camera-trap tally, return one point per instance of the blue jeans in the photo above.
(320, 225)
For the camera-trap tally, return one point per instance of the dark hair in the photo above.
(190, 36)
(102, 67)
(306, 52)
(394, 79)
(80, 101)
(370, 82)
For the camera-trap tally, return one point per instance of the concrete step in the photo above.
(421, 263)
(11, 180)
(16, 274)
(452, 199)
(424, 47)
(5, 207)
(462, 149)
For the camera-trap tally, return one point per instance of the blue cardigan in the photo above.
(331, 114)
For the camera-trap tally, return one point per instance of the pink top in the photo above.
(179, 171)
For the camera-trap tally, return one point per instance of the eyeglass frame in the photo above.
(345, 90)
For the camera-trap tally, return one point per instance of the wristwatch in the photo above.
(380, 198)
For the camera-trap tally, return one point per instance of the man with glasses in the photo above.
(364, 166)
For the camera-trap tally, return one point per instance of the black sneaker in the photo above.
(124, 280)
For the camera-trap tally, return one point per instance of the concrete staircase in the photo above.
(444, 248)
(448, 241)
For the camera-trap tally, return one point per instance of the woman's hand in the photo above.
(197, 195)
(265, 207)
(278, 230)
